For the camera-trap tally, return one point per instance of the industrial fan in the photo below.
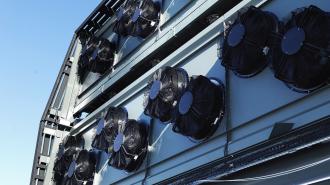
(163, 92)
(69, 147)
(81, 170)
(130, 146)
(107, 128)
(246, 44)
(124, 23)
(146, 18)
(301, 57)
(201, 108)
(85, 58)
(97, 56)
(102, 58)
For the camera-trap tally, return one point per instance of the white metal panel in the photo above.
(49, 131)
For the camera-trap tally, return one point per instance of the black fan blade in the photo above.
(83, 65)
(146, 18)
(159, 109)
(99, 142)
(244, 45)
(199, 107)
(84, 62)
(135, 137)
(86, 164)
(81, 170)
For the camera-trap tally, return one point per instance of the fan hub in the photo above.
(72, 168)
(119, 140)
(136, 14)
(292, 40)
(185, 102)
(154, 90)
(94, 54)
(60, 151)
(236, 35)
(100, 126)
(120, 13)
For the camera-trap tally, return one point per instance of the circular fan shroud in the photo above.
(239, 37)
(124, 25)
(146, 18)
(108, 126)
(136, 159)
(155, 89)
(67, 150)
(295, 41)
(188, 101)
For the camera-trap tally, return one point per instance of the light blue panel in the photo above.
(253, 138)
(90, 79)
(172, 7)
(300, 113)
(205, 62)
(201, 154)
(110, 35)
(253, 97)
(127, 45)
(110, 175)
(134, 107)
(88, 137)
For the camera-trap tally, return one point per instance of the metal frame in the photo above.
(45, 117)
(179, 56)
(193, 11)
(99, 17)
(200, 40)
(295, 141)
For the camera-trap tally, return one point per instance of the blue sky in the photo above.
(34, 37)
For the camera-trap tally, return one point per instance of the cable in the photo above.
(287, 172)
(169, 5)
(152, 146)
(104, 165)
(317, 181)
